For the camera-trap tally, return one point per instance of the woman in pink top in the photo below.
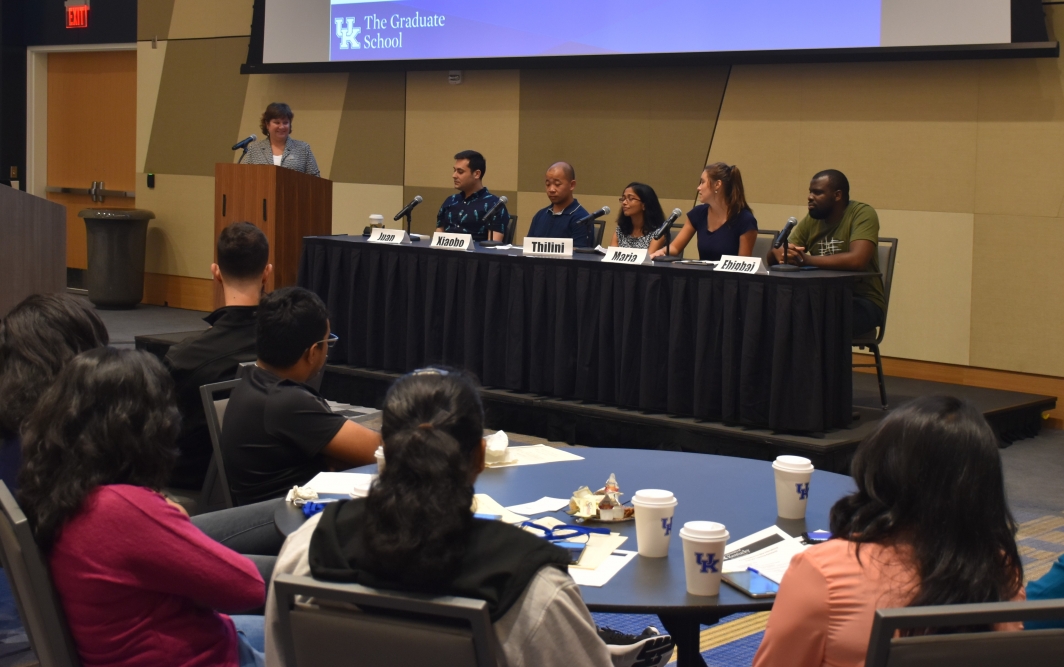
(928, 525)
(140, 585)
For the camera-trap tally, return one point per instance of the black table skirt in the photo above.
(769, 350)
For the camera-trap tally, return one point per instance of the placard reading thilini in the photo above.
(393, 236)
(452, 241)
(736, 264)
(615, 255)
(555, 247)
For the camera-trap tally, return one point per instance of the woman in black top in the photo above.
(724, 223)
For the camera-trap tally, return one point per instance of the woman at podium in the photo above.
(279, 148)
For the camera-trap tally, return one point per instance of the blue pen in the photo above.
(750, 569)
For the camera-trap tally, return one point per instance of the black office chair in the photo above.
(600, 230)
(888, 251)
(214, 407)
(1032, 648)
(511, 229)
(31, 583)
(763, 243)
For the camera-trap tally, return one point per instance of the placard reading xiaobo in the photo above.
(452, 241)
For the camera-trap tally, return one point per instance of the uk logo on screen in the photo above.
(348, 35)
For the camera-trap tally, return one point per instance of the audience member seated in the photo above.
(559, 219)
(415, 532)
(214, 356)
(139, 584)
(640, 216)
(1050, 586)
(37, 338)
(278, 432)
(840, 234)
(723, 222)
(928, 525)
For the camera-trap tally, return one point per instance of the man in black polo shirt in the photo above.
(215, 355)
(279, 432)
(558, 220)
(464, 212)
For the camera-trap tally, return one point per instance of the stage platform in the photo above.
(1013, 416)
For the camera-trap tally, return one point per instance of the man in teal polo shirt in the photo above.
(840, 234)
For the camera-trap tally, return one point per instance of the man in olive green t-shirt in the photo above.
(840, 234)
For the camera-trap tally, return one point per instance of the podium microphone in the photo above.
(244, 143)
(489, 243)
(676, 213)
(605, 210)
(409, 207)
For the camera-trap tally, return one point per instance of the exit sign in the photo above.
(77, 13)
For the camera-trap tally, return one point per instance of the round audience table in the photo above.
(740, 493)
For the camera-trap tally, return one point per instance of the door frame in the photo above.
(37, 107)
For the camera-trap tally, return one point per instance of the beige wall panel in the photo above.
(372, 136)
(774, 216)
(442, 119)
(181, 237)
(931, 297)
(149, 75)
(1016, 294)
(759, 130)
(424, 219)
(317, 101)
(153, 19)
(201, 97)
(353, 203)
(620, 125)
(1021, 168)
(196, 19)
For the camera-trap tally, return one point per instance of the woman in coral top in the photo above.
(928, 525)
(139, 584)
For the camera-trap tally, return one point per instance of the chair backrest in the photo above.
(214, 409)
(600, 230)
(888, 252)
(511, 229)
(972, 649)
(763, 243)
(38, 605)
(411, 630)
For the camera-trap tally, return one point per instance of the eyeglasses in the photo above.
(564, 532)
(330, 341)
(429, 371)
(629, 198)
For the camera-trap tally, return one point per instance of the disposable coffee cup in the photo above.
(703, 555)
(379, 454)
(361, 488)
(376, 220)
(654, 509)
(792, 485)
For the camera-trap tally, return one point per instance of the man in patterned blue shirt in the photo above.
(464, 211)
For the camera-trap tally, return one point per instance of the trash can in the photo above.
(116, 238)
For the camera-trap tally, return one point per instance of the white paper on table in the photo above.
(544, 504)
(338, 483)
(534, 455)
(597, 551)
(485, 504)
(601, 575)
(500, 247)
(599, 249)
(768, 551)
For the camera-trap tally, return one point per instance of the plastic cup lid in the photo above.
(380, 452)
(361, 488)
(704, 530)
(792, 463)
(654, 498)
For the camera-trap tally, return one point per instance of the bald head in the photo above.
(566, 169)
(560, 182)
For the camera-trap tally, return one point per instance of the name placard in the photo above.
(736, 264)
(550, 247)
(452, 241)
(615, 255)
(392, 236)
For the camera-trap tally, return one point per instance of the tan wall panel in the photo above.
(197, 19)
(153, 19)
(481, 114)
(179, 292)
(370, 146)
(316, 101)
(181, 237)
(149, 75)
(353, 203)
(620, 125)
(1016, 294)
(201, 98)
(424, 219)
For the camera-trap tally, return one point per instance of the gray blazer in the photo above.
(296, 156)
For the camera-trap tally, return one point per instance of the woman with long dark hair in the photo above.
(415, 532)
(723, 222)
(640, 216)
(139, 584)
(928, 525)
(37, 338)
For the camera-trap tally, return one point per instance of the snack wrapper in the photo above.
(584, 503)
(603, 505)
(300, 495)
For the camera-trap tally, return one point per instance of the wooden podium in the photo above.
(32, 247)
(285, 204)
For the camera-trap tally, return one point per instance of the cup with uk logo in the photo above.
(792, 485)
(654, 509)
(703, 555)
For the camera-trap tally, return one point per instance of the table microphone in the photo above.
(786, 233)
(676, 213)
(409, 207)
(487, 216)
(605, 210)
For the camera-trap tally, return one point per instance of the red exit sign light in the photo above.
(77, 16)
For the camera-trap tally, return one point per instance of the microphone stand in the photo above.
(487, 243)
(668, 257)
(590, 222)
(784, 266)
